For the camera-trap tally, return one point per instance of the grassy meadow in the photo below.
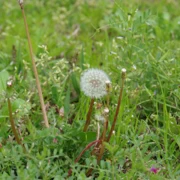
(69, 37)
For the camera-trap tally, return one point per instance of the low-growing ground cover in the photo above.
(69, 37)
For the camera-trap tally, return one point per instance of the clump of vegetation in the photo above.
(105, 132)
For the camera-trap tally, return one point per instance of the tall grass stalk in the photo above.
(119, 104)
(34, 67)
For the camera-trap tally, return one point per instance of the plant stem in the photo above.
(102, 140)
(34, 67)
(100, 146)
(86, 148)
(89, 115)
(12, 123)
(83, 151)
(118, 106)
(108, 89)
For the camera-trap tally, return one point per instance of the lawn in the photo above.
(134, 47)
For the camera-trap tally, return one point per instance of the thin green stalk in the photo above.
(34, 67)
(118, 106)
(108, 89)
(88, 117)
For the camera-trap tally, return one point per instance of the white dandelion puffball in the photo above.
(99, 118)
(93, 83)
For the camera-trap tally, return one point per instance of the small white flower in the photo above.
(134, 67)
(120, 37)
(9, 83)
(108, 82)
(93, 83)
(123, 70)
(106, 110)
(20, 1)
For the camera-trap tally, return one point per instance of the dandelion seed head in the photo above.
(93, 83)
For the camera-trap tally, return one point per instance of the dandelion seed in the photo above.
(93, 83)
(99, 118)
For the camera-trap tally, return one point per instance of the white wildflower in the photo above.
(106, 110)
(20, 1)
(123, 70)
(134, 67)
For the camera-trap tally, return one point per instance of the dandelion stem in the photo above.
(102, 140)
(118, 106)
(100, 146)
(86, 148)
(34, 67)
(82, 152)
(108, 89)
(12, 123)
(88, 117)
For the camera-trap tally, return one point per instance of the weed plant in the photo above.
(68, 38)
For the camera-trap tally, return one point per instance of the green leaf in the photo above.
(4, 76)
(67, 103)
(177, 139)
(110, 148)
(86, 136)
(19, 106)
(82, 59)
(54, 94)
(75, 83)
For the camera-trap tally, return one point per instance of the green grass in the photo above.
(69, 37)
